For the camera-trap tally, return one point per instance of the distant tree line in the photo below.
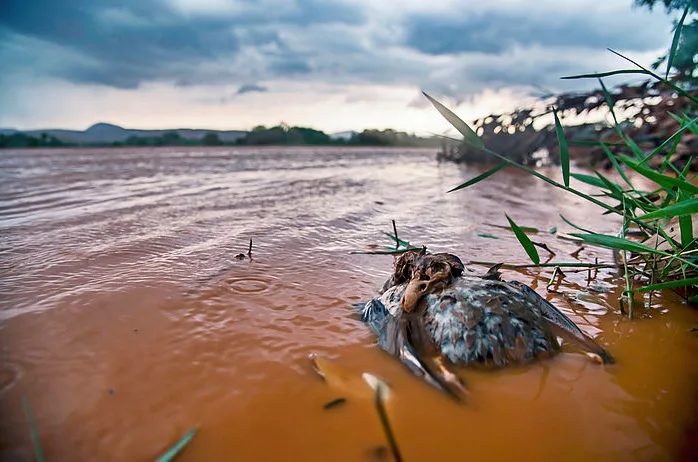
(20, 140)
(280, 135)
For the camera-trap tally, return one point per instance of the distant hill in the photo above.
(108, 133)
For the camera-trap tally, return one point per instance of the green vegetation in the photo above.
(169, 455)
(665, 252)
(683, 55)
(20, 140)
(280, 135)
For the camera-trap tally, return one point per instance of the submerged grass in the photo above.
(170, 455)
(663, 250)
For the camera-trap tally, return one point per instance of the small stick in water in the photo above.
(385, 423)
(249, 252)
(397, 240)
(334, 403)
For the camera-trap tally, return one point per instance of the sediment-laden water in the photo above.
(125, 319)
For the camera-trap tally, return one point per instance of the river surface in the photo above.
(126, 320)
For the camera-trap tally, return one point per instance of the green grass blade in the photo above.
(619, 243)
(464, 129)
(616, 165)
(38, 453)
(686, 228)
(588, 179)
(399, 242)
(575, 226)
(597, 75)
(685, 207)
(665, 181)
(524, 241)
(675, 42)
(177, 448)
(668, 83)
(609, 101)
(480, 177)
(684, 119)
(668, 285)
(564, 151)
(676, 136)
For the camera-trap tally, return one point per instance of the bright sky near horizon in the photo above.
(331, 65)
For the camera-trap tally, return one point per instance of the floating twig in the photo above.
(334, 403)
(249, 252)
(543, 246)
(385, 423)
(384, 252)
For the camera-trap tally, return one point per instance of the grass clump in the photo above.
(656, 245)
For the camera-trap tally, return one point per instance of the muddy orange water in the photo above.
(126, 320)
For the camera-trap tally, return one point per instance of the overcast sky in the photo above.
(332, 65)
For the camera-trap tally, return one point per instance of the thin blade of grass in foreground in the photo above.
(524, 241)
(588, 179)
(177, 448)
(665, 181)
(480, 177)
(464, 129)
(564, 151)
(668, 285)
(614, 242)
(686, 229)
(596, 75)
(385, 423)
(38, 453)
(686, 207)
(675, 42)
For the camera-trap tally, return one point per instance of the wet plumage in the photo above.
(429, 311)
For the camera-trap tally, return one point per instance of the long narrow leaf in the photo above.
(665, 181)
(597, 75)
(399, 242)
(33, 432)
(686, 207)
(616, 165)
(668, 83)
(619, 243)
(611, 107)
(675, 137)
(177, 448)
(668, 285)
(686, 228)
(524, 241)
(575, 226)
(480, 177)
(675, 42)
(564, 151)
(464, 129)
(588, 179)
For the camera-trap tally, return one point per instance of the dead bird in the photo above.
(430, 316)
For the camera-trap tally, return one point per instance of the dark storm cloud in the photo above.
(126, 43)
(251, 88)
(497, 32)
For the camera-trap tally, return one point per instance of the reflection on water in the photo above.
(126, 320)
